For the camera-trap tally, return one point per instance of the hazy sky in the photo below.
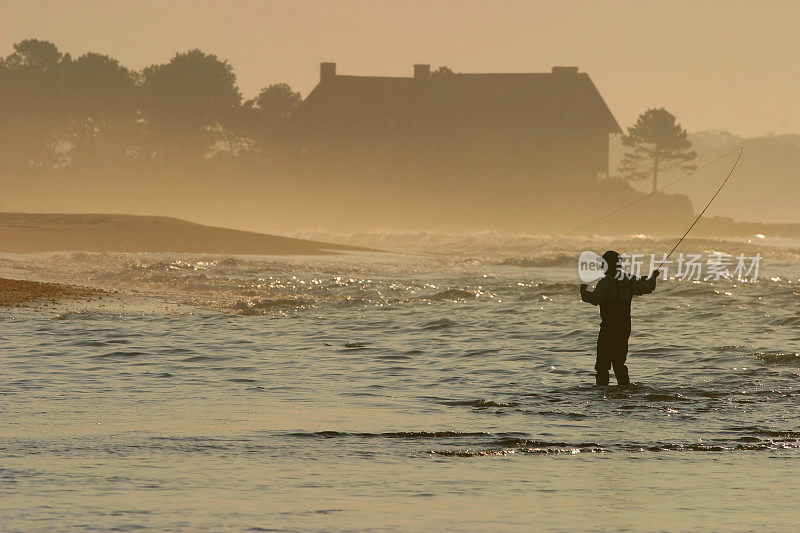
(724, 64)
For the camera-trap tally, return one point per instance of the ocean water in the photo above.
(446, 387)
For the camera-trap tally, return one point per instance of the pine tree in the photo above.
(658, 144)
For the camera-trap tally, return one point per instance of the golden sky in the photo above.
(726, 64)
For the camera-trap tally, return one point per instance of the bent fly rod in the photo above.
(740, 149)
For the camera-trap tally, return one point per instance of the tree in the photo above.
(102, 107)
(187, 104)
(658, 144)
(267, 113)
(34, 110)
(442, 72)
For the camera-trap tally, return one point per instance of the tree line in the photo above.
(59, 111)
(62, 112)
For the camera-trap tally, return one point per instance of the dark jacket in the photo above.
(614, 292)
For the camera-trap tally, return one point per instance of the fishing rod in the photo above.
(740, 149)
(722, 185)
(685, 176)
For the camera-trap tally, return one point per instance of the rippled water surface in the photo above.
(395, 392)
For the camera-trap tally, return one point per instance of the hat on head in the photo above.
(612, 259)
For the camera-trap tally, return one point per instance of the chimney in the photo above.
(568, 71)
(422, 72)
(327, 71)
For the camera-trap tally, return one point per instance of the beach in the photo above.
(16, 292)
(27, 233)
(439, 266)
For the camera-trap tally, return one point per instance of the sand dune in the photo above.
(30, 233)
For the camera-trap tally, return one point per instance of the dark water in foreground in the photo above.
(385, 392)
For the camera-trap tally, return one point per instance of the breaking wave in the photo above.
(485, 444)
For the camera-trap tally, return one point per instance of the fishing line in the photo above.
(685, 176)
(740, 149)
(730, 173)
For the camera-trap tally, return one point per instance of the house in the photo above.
(536, 127)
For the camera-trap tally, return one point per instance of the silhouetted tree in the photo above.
(34, 110)
(442, 72)
(100, 93)
(658, 144)
(267, 113)
(188, 104)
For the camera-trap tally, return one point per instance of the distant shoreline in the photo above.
(727, 227)
(33, 233)
(25, 233)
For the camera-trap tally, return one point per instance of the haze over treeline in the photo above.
(715, 64)
(764, 187)
(87, 134)
(62, 111)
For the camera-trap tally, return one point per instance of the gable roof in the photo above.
(397, 105)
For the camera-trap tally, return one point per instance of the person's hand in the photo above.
(656, 273)
(584, 286)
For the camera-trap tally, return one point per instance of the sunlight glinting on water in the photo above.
(294, 388)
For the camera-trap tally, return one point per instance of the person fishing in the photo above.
(613, 293)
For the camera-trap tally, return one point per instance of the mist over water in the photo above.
(316, 266)
(448, 386)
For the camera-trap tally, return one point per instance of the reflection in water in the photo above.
(392, 391)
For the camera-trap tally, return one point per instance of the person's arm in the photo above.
(645, 285)
(599, 293)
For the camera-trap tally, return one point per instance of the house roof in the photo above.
(530, 102)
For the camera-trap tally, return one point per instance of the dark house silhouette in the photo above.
(517, 128)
